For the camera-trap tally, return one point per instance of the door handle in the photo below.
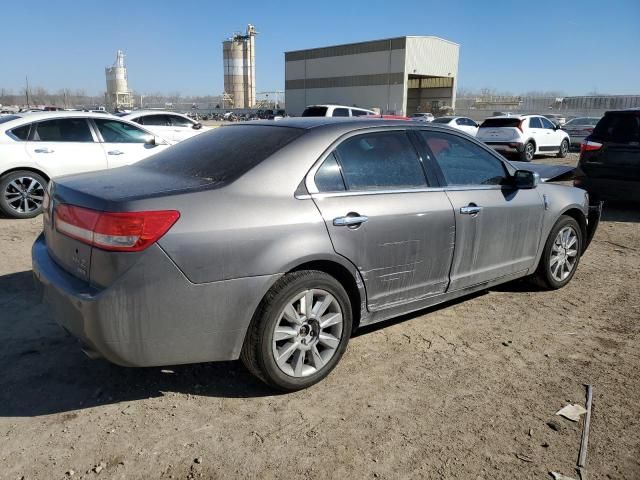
(470, 210)
(43, 150)
(350, 221)
(115, 152)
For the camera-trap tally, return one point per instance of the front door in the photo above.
(382, 216)
(498, 227)
(124, 143)
(63, 146)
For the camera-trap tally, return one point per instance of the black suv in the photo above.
(609, 166)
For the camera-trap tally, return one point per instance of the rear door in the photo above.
(124, 143)
(538, 133)
(498, 227)
(63, 146)
(383, 216)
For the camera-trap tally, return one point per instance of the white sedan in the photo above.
(170, 125)
(461, 123)
(35, 147)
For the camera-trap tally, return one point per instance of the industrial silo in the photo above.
(118, 96)
(238, 54)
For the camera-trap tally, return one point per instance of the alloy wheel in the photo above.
(564, 254)
(529, 151)
(308, 333)
(24, 194)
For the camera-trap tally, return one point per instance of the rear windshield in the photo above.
(500, 122)
(442, 120)
(8, 118)
(315, 112)
(224, 154)
(618, 127)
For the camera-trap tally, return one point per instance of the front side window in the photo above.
(358, 113)
(63, 130)
(379, 161)
(328, 178)
(340, 112)
(314, 112)
(462, 162)
(178, 121)
(534, 122)
(546, 123)
(113, 131)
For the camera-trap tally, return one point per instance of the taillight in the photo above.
(589, 146)
(519, 127)
(122, 232)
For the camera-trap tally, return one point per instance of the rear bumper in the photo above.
(512, 147)
(152, 315)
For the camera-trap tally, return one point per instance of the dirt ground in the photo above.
(464, 391)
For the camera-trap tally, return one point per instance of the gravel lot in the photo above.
(464, 391)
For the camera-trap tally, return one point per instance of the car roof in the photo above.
(138, 113)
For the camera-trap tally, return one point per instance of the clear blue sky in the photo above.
(572, 46)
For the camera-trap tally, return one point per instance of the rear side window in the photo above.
(224, 154)
(618, 127)
(63, 130)
(21, 133)
(359, 113)
(379, 161)
(534, 122)
(315, 112)
(500, 122)
(157, 120)
(113, 131)
(340, 112)
(462, 162)
(442, 120)
(178, 121)
(328, 178)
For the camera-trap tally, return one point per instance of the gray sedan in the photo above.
(274, 242)
(580, 128)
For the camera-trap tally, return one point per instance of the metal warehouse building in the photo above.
(398, 75)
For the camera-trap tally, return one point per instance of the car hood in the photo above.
(548, 173)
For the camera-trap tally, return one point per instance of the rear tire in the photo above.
(528, 152)
(22, 193)
(564, 149)
(561, 255)
(290, 348)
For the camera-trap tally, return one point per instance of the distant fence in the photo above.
(485, 106)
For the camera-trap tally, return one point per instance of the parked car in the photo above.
(170, 125)
(579, 128)
(336, 111)
(465, 124)
(525, 135)
(36, 147)
(273, 242)
(557, 119)
(422, 117)
(609, 165)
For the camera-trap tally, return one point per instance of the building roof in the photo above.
(376, 40)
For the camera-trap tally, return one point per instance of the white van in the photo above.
(336, 111)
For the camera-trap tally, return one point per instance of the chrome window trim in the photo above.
(313, 192)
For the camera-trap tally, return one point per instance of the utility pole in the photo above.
(27, 90)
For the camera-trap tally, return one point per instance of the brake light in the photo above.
(519, 127)
(589, 146)
(122, 232)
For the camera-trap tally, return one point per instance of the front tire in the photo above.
(299, 332)
(564, 149)
(22, 194)
(528, 152)
(561, 255)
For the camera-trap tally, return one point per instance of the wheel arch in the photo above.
(27, 169)
(579, 216)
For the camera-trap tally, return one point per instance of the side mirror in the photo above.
(526, 179)
(197, 126)
(152, 140)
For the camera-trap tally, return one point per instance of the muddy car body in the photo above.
(286, 237)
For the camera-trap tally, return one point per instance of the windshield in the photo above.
(619, 127)
(583, 121)
(500, 122)
(315, 112)
(8, 118)
(224, 154)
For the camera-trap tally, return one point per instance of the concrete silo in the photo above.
(118, 96)
(239, 55)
